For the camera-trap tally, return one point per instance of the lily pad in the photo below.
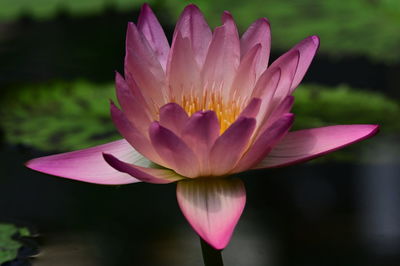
(9, 246)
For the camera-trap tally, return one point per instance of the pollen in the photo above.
(227, 111)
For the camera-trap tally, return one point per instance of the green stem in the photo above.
(211, 256)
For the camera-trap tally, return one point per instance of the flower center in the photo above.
(227, 111)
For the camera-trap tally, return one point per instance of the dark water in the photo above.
(312, 214)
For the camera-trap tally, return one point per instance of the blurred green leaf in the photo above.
(8, 245)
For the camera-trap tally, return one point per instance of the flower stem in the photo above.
(211, 256)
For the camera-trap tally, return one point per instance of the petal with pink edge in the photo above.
(212, 207)
(192, 25)
(137, 139)
(88, 165)
(173, 117)
(142, 63)
(151, 29)
(134, 107)
(265, 142)
(303, 145)
(258, 33)
(182, 70)
(223, 57)
(200, 133)
(177, 155)
(229, 147)
(145, 174)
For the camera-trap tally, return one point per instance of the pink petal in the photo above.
(177, 155)
(200, 133)
(258, 33)
(265, 142)
(142, 63)
(252, 108)
(223, 57)
(212, 207)
(182, 71)
(134, 107)
(246, 75)
(88, 165)
(136, 138)
(151, 29)
(307, 49)
(145, 174)
(277, 114)
(173, 117)
(229, 147)
(303, 145)
(287, 63)
(193, 26)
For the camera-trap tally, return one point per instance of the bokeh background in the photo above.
(57, 62)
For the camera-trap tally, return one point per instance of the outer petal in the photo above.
(246, 75)
(229, 147)
(258, 33)
(177, 155)
(303, 145)
(307, 49)
(145, 174)
(192, 25)
(132, 103)
(153, 32)
(136, 138)
(88, 165)
(212, 207)
(223, 57)
(146, 70)
(265, 142)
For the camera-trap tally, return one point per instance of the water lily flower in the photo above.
(200, 110)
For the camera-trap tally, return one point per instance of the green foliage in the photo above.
(9, 9)
(59, 116)
(358, 27)
(317, 106)
(8, 245)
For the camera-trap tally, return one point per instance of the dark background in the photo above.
(57, 62)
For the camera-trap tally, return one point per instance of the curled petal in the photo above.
(88, 165)
(173, 151)
(192, 25)
(302, 145)
(229, 147)
(145, 174)
(252, 108)
(212, 207)
(151, 29)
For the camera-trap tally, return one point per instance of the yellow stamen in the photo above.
(227, 111)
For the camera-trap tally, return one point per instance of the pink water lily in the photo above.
(199, 111)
